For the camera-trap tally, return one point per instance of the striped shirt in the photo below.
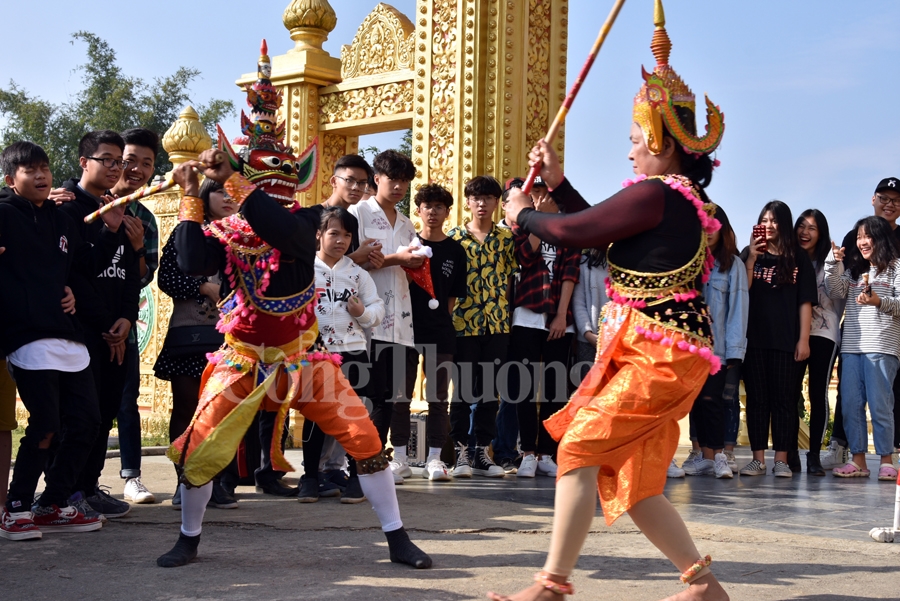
(867, 329)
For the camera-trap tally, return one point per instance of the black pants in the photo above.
(477, 359)
(438, 369)
(63, 404)
(356, 368)
(708, 413)
(390, 381)
(109, 377)
(537, 364)
(770, 379)
(822, 353)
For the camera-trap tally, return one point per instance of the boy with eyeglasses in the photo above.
(886, 203)
(481, 320)
(109, 316)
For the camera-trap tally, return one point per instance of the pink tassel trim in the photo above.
(664, 338)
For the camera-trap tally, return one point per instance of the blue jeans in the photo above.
(129, 418)
(868, 378)
(504, 443)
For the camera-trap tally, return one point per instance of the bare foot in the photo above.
(535, 592)
(705, 588)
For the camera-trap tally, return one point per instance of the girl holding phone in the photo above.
(782, 292)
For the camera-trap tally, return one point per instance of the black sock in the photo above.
(184, 551)
(405, 551)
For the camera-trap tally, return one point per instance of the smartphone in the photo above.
(759, 231)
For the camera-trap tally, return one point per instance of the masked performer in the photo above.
(620, 429)
(268, 361)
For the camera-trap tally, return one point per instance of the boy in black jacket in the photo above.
(44, 343)
(109, 320)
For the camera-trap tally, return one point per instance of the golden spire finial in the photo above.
(659, 15)
(186, 138)
(310, 22)
(660, 45)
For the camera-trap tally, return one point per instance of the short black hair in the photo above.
(339, 214)
(92, 141)
(484, 185)
(353, 161)
(22, 154)
(138, 136)
(395, 165)
(206, 188)
(433, 193)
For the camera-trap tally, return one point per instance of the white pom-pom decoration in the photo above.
(433, 304)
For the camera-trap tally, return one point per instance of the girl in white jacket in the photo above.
(348, 304)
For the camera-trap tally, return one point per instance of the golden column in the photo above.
(184, 141)
(301, 72)
(489, 76)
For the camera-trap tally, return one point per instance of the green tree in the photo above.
(370, 152)
(109, 99)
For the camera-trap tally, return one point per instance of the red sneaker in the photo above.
(18, 525)
(67, 519)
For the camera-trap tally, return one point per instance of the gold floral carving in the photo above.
(444, 73)
(365, 103)
(334, 146)
(383, 43)
(315, 14)
(537, 105)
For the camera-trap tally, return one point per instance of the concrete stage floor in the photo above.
(771, 539)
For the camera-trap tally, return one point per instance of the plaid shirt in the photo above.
(534, 288)
(151, 239)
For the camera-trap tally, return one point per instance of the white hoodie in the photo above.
(341, 332)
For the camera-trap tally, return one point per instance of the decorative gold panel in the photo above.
(383, 43)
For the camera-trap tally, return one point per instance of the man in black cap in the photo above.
(886, 202)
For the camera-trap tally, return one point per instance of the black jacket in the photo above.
(44, 253)
(115, 285)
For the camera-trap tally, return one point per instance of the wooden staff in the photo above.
(567, 104)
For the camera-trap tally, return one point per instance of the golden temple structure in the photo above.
(477, 81)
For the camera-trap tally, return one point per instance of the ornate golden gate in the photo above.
(477, 81)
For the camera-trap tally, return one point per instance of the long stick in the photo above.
(160, 187)
(567, 103)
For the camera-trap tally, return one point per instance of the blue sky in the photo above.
(809, 88)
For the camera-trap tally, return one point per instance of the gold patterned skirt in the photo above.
(624, 416)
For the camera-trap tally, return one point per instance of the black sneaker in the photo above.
(509, 465)
(276, 488)
(337, 477)
(176, 498)
(104, 503)
(483, 465)
(221, 498)
(309, 489)
(353, 493)
(78, 502)
(327, 488)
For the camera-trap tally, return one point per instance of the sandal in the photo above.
(887, 472)
(850, 470)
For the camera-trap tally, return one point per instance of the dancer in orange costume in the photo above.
(620, 429)
(269, 360)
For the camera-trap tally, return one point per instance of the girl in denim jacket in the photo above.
(716, 413)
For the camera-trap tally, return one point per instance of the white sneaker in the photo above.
(136, 492)
(732, 464)
(436, 470)
(401, 468)
(462, 469)
(691, 458)
(398, 479)
(528, 467)
(546, 466)
(834, 456)
(673, 472)
(699, 467)
(723, 470)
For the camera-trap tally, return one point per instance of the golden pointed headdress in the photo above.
(662, 91)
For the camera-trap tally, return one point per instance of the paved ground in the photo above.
(800, 539)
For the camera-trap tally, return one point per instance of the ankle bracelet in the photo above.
(691, 573)
(543, 578)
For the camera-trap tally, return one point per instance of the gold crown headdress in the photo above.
(662, 91)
